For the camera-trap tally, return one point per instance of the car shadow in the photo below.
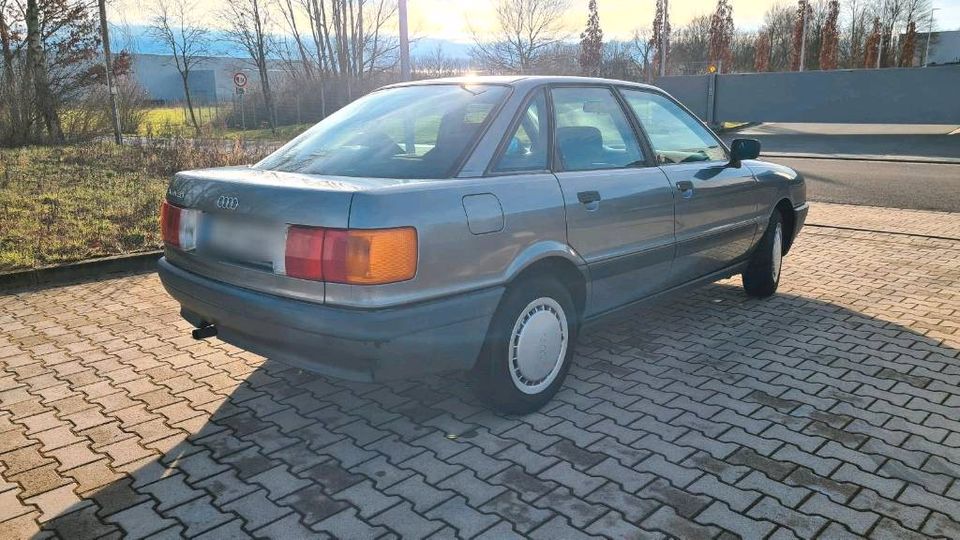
(299, 450)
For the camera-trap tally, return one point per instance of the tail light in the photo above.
(352, 256)
(304, 254)
(178, 226)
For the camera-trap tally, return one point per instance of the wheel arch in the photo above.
(560, 262)
(785, 207)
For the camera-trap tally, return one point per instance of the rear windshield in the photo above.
(407, 132)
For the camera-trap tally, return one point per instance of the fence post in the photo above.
(711, 99)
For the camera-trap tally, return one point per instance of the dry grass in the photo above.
(69, 203)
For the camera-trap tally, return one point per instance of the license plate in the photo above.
(240, 239)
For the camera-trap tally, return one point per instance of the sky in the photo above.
(448, 19)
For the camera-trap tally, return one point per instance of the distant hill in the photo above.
(137, 39)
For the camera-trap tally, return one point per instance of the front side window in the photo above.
(592, 132)
(406, 132)
(676, 136)
(527, 146)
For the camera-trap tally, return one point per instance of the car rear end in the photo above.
(250, 252)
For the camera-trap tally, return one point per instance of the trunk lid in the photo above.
(243, 218)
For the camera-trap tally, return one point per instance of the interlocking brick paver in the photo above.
(830, 408)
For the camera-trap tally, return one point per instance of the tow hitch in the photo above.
(206, 330)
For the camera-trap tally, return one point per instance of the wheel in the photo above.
(529, 346)
(762, 275)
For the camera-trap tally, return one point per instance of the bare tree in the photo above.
(761, 60)
(778, 20)
(249, 26)
(526, 29)
(872, 47)
(641, 44)
(690, 47)
(661, 36)
(437, 64)
(37, 61)
(852, 43)
(11, 100)
(174, 24)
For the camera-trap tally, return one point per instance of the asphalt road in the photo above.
(919, 186)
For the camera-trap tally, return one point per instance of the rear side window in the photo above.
(592, 131)
(527, 146)
(676, 136)
(406, 132)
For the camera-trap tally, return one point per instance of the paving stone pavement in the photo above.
(830, 410)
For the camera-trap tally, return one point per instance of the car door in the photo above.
(716, 204)
(619, 206)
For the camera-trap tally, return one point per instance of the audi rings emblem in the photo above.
(227, 203)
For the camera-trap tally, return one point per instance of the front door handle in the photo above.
(686, 188)
(587, 197)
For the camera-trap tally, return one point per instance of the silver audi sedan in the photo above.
(472, 224)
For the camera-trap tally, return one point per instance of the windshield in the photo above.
(407, 132)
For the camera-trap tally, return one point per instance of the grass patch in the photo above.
(70, 203)
(174, 121)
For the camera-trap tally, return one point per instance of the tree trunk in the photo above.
(17, 133)
(184, 76)
(46, 103)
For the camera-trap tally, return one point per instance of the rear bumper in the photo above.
(362, 345)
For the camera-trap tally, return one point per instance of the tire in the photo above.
(529, 346)
(762, 275)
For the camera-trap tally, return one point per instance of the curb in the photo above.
(79, 271)
(863, 157)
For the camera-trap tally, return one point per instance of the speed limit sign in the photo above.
(240, 79)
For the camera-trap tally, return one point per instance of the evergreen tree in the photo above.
(721, 35)
(831, 37)
(591, 43)
(908, 48)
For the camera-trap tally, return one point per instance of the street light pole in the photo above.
(108, 64)
(926, 50)
(404, 42)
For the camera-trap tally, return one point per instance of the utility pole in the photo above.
(108, 63)
(404, 42)
(664, 38)
(926, 50)
(803, 37)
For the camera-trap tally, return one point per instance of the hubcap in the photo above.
(538, 345)
(777, 258)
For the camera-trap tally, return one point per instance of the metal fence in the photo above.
(863, 96)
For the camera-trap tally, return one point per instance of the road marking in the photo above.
(955, 132)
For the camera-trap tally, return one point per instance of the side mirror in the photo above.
(741, 149)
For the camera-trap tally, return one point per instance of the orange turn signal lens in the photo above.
(370, 256)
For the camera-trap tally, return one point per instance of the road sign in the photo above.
(239, 91)
(240, 79)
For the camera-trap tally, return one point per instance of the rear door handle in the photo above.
(686, 188)
(587, 197)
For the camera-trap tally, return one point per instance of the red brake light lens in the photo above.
(170, 223)
(304, 253)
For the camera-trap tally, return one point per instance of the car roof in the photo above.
(521, 81)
